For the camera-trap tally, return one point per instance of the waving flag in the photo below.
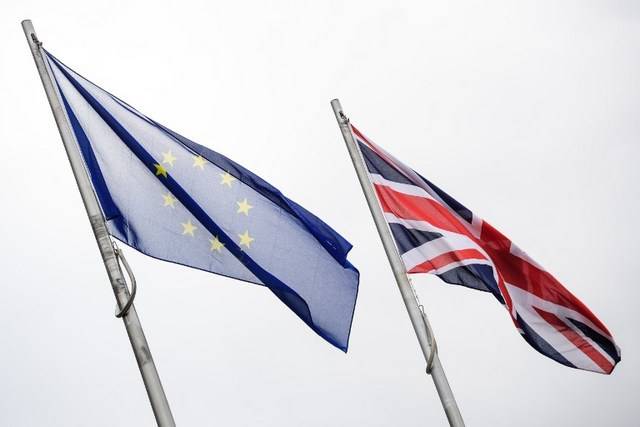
(435, 234)
(178, 201)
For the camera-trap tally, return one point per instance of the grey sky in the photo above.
(527, 112)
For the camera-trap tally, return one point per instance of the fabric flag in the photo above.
(435, 234)
(178, 201)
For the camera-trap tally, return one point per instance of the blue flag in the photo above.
(178, 201)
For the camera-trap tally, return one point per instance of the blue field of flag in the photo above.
(178, 201)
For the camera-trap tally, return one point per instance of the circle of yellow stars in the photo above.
(226, 179)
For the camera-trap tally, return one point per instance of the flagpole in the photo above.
(416, 314)
(152, 383)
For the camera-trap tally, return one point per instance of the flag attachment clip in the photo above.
(433, 345)
(35, 40)
(122, 260)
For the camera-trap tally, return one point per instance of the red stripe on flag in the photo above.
(580, 343)
(510, 268)
(446, 259)
(360, 135)
(418, 208)
(525, 275)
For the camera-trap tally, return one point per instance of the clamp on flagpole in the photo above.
(35, 40)
(342, 118)
(431, 339)
(433, 345)
(123, 261)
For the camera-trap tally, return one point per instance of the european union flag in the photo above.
(178, 201)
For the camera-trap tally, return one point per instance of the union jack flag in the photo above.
(436, 234)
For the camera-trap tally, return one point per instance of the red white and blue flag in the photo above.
(436, 234)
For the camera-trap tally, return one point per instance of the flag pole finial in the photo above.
(337, 108)
(27, 26)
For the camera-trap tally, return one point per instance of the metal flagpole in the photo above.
(416, 314)
(110, 255)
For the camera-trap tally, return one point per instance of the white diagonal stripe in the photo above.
(458, 241)
(409, 189)
(524, 302)
(523, 298)
(435, 248)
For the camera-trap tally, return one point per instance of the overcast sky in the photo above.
(527, 112)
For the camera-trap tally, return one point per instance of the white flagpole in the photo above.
(158, 400)
(416, 314)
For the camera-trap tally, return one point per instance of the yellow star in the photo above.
(243, 207)
(188, 228)
(198, 162)
(216, 245)
(245, 239)
(168, 158)
(169, 200)
(226, 179)
(160, 170)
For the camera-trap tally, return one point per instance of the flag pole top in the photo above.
(27, 25)
(337, 109)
